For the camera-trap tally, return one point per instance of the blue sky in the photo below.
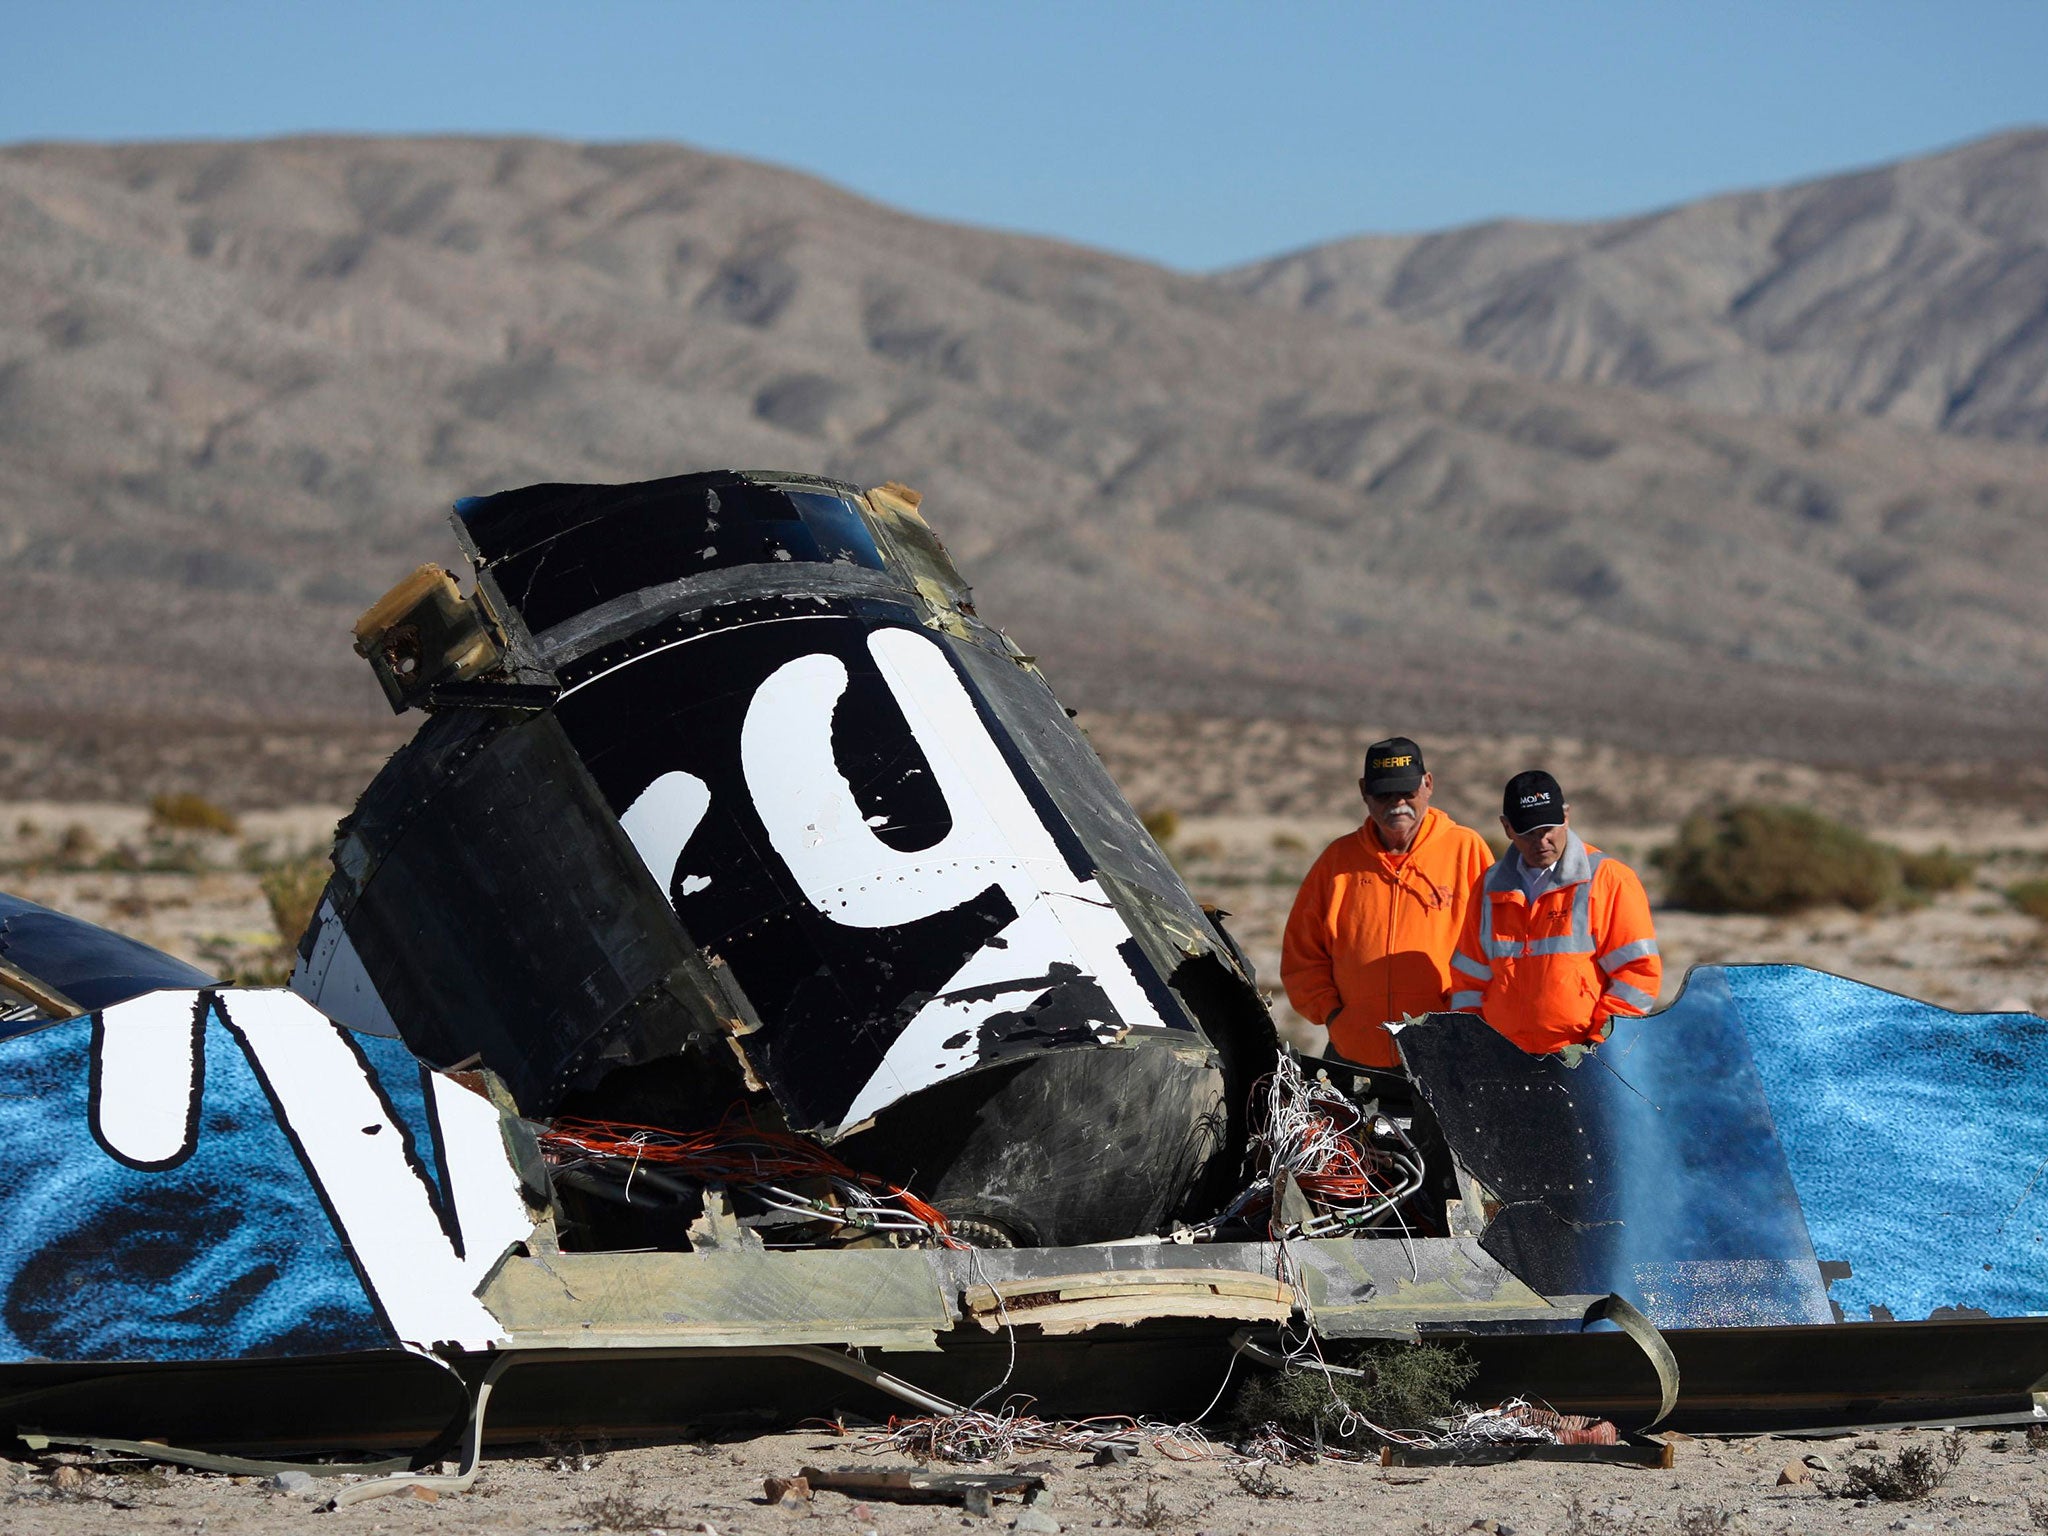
(1192, 133)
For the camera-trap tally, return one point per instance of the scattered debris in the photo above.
(907, 1487)
(973, 1436)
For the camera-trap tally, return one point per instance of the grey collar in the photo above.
(1574, 866)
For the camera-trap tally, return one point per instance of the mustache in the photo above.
(1399, 810)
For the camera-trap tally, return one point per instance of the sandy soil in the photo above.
(1714, 1487)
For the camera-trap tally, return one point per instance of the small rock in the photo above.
(859, 1512)
(976, 1502)
(1794, 1472)
(1036, 1520)
(790, 1492)
(1491, 1526)
(1035, 1468)
(292, 1482)
(1113, 1456)
(424, 1495)
(67, 1479)
(706, 1528)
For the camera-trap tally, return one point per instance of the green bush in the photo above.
(2031, 897)
(1774, 859)
(1932, 873)
(1405, 1386)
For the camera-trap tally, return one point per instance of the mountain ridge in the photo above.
(1915, 290)
(240, 384)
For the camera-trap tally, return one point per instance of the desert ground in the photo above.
(1251, 803)
(1717, 1487)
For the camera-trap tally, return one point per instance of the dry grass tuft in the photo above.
(293, 891)
(185, 812)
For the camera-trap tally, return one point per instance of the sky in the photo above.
(1192, 133)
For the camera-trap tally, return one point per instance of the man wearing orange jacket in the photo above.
(1373, 925)
(1557, 940)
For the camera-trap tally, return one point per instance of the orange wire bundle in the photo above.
(1317, 1135)
(737, 1154)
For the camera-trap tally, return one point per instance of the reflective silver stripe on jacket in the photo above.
(1470, 967)
(1464, 1000)
(1634, 996)
(1616, 958)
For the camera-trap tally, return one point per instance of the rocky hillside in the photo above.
(240, 384)
(1916, 292)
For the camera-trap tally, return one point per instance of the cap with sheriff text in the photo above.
(1393, 767)
(1531, 800)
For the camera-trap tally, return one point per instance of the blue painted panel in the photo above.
(87, 963)
(402, 1078)
(228, 1254)
(1652, 1170)
(1916, 1137)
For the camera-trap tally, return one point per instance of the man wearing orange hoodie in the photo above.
(1375, 922)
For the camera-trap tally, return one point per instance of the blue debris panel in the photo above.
(88, 964)
(1917, 1139)
(1652, 1170)
(214, 1175)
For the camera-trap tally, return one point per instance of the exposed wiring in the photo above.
(767, 1166)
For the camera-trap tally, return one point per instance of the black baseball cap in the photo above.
(1531, 800)
(1393, 766)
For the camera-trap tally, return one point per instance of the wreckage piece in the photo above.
(1915, 1137)
(1653, 1170)
(55, 966)
(239, 1225)
(726, 790)
(225, 1174)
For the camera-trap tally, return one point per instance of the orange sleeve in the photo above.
(1471, 975)
(1625, 947)
(1307, 969)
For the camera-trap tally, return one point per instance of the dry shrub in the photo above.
(77, 847)
(1405, 1386)
(1775, 859)
(1930, 874)
(1912, 1474)
(293, 891)
(185, 812)
(622, 1511)
(1162, 823)
(2031, 897)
